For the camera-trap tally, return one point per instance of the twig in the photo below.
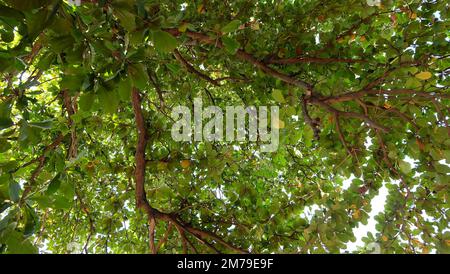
(341, 136)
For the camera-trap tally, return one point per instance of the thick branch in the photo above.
(139, 173)
(318, 60)
(358, 94)
(141, 199)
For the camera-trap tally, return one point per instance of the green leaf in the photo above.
(11, 13)
(126, 18)
(61, 202)
(86, 101)
(124, 89)
(14, 190)
(28, 135)
(413, 83)
(5, 112)
(47, 124)
(308, 136)
(5, 123)
(7, 36)
(4, 145)
(71, 82)
(232, 26)
(447, 156)
(139, 76)
(43, 201)
(36, 21)
(17, 244)
(54, 185)
(405, 167)
(173, 67)
(230, 44)
(278, 96)
(32, 222)
(109, 100)
(45, 62)
(444, 169)
(164, 41)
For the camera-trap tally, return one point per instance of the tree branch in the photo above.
(141, 199)
(312, 123)
(358, 94)
(205, 39)
(192, 70)
(341, 136)
(359, 116)
(318, 60)
(165, 237)
(40, 166)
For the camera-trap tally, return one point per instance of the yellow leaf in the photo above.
(183, 27)
(425, 250)
(356, 214)
(424, 75)
(201, 8)
(387, 106)
(161, 165)
(278, 124)
(384, 238)
(254, 25)
(362, 39)
(185, 164)
(413, 15)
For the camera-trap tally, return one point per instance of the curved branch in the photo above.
(192, 70)
(358, 94)
(205, 39)
(355, 115)
(141, 198)
(318, 60)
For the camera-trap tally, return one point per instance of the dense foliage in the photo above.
(88, 164)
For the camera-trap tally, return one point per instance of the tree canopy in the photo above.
(88, 164)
